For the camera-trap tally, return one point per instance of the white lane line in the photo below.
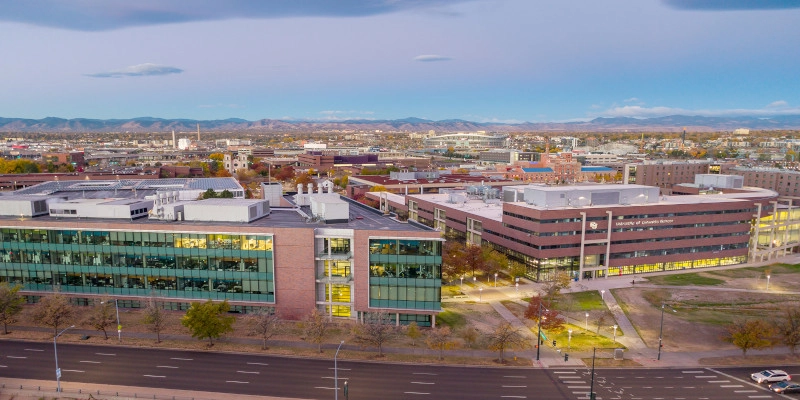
(423, 373)
(34, 350)
(15, 357)
(3, 366)
(745, 391)
(574, 382)
(687, 387)
(90, 362)
(514, 386)
(105, 354)
(578, 387)
(415, 393)
(236, 382)
(72, 370)
(760, 397)
(155, 376)
(181, 359)
(333, 377)
(730, 386)
(423, 383)
(255, 363)
(705, 376)
(514, 397)
(564, 372)
(342, 369)
(693, 372)
(248, 372)
(514, 376)
(725, 381)
(166, 366)
(323, 387)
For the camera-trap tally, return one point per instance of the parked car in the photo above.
(785, 387)
(771, 375)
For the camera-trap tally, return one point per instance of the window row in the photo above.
(405, 247)
(412, 271)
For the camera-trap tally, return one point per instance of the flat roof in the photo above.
(467, 180)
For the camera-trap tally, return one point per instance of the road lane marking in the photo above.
(693, 372)
(323, 387)
(155, 376)
(34, 350)
(182, 359)
(578, 387)
(423, 383)
(725, 381)
(90, 362)
(760, 397)
(514, 376)
(236, 382)
(573, 382)
(333, 377)
(105, 354)
(687, 387)
(341, 369)
(730, 386)
(72, 370)
(166, 366)
(423, 373)
(16, 357)
(514, 386)
(514, 397)
(3, 366)
(255, 363)
(415, 393)
(705, 376)
(248, 372)
(745, 391)
(563, 372)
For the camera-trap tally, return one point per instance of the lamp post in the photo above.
(767, 282)
(480, 294)
(336, 371)
(516, 285)
(615, 333)
(495, 279)
(119, 327)
(661, 330)
(462, 283)
(55, 352)
(587, 322)
(569, 339)
(539, 336)
(603, 295)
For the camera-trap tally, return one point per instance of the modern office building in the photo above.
(596, 230)
(135, 239)
(467, 140)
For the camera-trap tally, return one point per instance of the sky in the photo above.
(506, 61)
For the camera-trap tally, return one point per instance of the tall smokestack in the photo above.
(198, 131)
(174, 143)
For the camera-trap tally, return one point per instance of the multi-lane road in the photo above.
(314, 379)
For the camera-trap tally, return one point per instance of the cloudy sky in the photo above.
(479, 60)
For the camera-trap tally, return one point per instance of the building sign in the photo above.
(644, 222)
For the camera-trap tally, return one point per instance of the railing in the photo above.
(44, 392)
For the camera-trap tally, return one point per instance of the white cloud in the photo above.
(431, 58)
(632, 100)
(340, 115)
(778, 104)
(651, 112)
(146, 69)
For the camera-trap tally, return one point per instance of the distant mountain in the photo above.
(672, 123)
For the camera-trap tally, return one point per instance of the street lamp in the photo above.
(661, 330)
(517, 286)
(119, 327)
(569, 339)
(336, 371)
(462, 283)
(480, 294)
(587, 322)
(539, 337)
(55, 351)
(602, 295)
(767, 282)
(495, 279)
(615, 333)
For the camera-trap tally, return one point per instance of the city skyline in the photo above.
(485, 61)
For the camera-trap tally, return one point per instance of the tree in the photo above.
(517, 269)
(749, 334)
(453, 265)
(102, 316)
(413, 333)
(506, 336)
(209, 194)
(376, 330)
(226, 194)
(378, 188)
(470, 335)
(155, 317)
(440, 339)
(265, 323)
(493, 260)
(788, 328)
(315, 328)
(551, 319)
(552, 289)
(473, 257)
(208, 320)
(53, 311)
(10, 304)
(603, 318)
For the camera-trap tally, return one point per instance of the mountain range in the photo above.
(673, 123)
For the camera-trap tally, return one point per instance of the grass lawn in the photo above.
(694, 279)
(452, 319)
(581, 301)
(451, 290)
(582, 340)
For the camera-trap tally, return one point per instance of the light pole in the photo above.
(587, 322)
(119, 327)
(480, 294)
(462, 283)
(336, 371)
(55, 351)
(569, 339)
(495, 279)
(603, 295)
(615, 333)
(517, 286)
(767, 282)
(539, 336)
(661, 330)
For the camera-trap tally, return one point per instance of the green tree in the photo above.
(265, 323)
(53, 311)
(788, 328)
(226, 194)
(209, 194)
(208, 320)
(316, 327)
(10, 304)
(440, 339)
(102, 315)
(506, 336)
(413, 332)
(155, 318)
(749, 334)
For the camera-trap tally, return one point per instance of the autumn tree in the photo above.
(376, 330)
(266, 324)
(552, 288)
(10, 304)
(208, 320)
(506, 336)
(155, 318)
(493, 261)
(440, 339)
(102, 316)
(788, 328)
(541, 307)
(749, 334)
(53, 311)
(603, 318)
(470, 335)
(453, 265)
(413, 332)
(316, 327)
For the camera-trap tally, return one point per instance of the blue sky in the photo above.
(479, 60)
